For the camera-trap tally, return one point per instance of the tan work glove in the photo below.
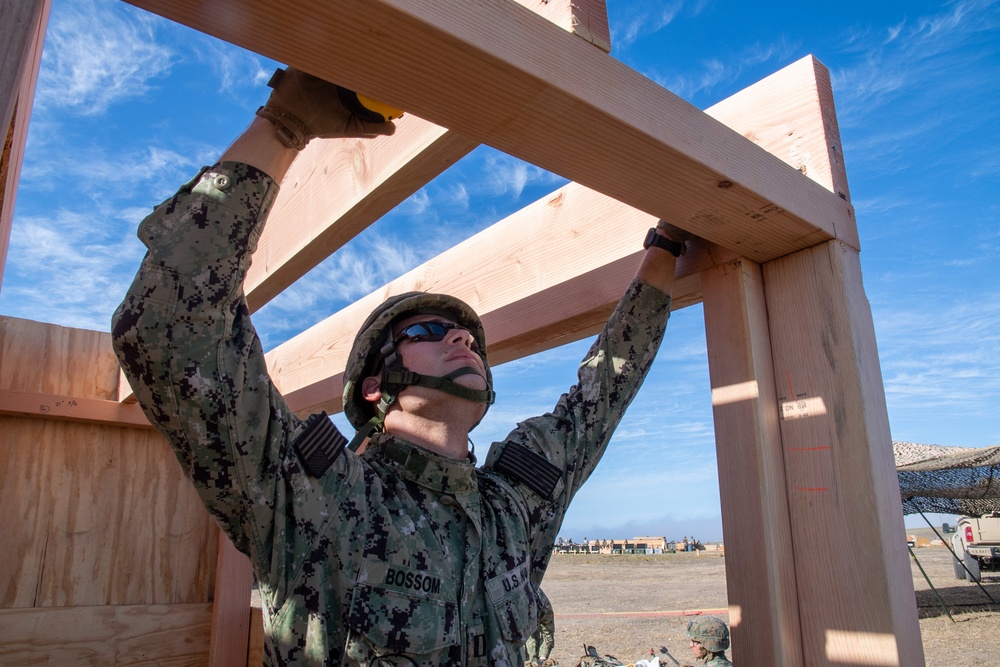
(303, 107)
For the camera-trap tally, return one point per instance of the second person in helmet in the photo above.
(709, 637)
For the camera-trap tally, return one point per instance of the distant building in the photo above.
(635, 545)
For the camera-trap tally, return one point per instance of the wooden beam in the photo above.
(544, 96)
(255, 652)
(760, 565)
(72, 408)
(801, 427)
(578, 291)
(337, 188)
(566, 306)
(801, 129)
(852, 575)
(20, 21)
(164, 634)
(230, 607)
(22, 33)
(533, 303)
(760, 570)
(587, 19)
(6, 195)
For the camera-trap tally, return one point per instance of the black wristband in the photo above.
(675, 248)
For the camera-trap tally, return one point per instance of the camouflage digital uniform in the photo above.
(397, 556)
(541, 642)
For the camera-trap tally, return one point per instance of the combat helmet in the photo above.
(709, 631)
(374, 351)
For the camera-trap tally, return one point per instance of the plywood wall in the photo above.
(107, 550)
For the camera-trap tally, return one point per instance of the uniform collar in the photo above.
(422, 466)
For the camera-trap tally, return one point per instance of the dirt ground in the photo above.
(626, 605)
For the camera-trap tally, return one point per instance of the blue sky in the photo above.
(129, 106)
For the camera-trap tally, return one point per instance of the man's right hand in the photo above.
(303, 107)
(673, 232)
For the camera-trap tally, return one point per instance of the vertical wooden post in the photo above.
(22, 33)
(19, 28)
(587, 19)
(855, 591)
(231, 607)
(760, 567)
(792, 115)
(816, 568)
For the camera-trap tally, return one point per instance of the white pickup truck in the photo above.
(977, 543)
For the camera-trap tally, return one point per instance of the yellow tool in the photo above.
(367, 108)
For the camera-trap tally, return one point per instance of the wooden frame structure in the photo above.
(805, 457)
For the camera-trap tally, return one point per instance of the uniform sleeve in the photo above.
(185, 341)
(553, 455)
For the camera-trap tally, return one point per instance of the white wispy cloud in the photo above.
(642, 20)
(506, 175)
(98, 172)
(940, 361)
(417, 204)
(90, 281)
(95, 56)
(458, 196)
(718, 73)
(234, 68)
(354, 271)
(919, 56)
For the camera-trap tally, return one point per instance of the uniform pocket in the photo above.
(404, 610)
(515, 603)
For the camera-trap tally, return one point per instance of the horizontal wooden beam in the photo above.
(536, 302)
(555, 270)
(73, 408)
(336, 189)
(584, 270)
(175, 634)
(500, 74)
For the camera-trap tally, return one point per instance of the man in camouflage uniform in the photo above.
(709, 637)
(407, 553)
(541, 642)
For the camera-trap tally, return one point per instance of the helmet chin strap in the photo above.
(396, 380)
(396, 377)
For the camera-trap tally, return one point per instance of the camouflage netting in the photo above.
(948, 480)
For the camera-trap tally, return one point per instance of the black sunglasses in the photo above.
(431, 332)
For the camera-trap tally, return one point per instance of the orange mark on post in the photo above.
(813, 488)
